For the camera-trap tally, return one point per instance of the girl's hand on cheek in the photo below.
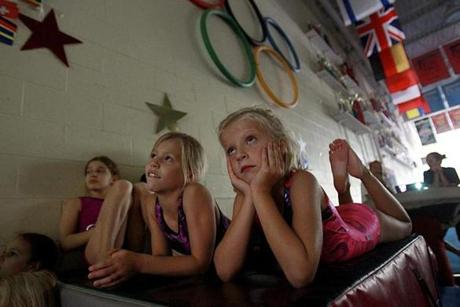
(271, 169)
(238, 184)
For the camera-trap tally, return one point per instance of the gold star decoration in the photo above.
(168, 117)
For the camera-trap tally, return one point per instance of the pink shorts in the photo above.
(351, 230)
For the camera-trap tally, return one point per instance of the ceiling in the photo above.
(428, 24)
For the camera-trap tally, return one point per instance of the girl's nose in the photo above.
(241, 155)
(154, 162)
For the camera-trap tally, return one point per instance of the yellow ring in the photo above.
(263, 84)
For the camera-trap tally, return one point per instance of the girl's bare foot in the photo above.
(355, 166)
(338, 158)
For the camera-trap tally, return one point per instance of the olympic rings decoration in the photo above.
(247, 48)
(269, 21)
(263, 84)
(263, 27)
(207, 5)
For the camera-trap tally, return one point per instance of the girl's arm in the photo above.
(135, 231)
(68, 225)
(199, 211)
(297, 248)
(231, 252)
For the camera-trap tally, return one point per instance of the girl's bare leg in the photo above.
(338, 158)
(394, 221)
(109, 232)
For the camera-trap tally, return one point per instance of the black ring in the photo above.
(254, 6)
(292, 54)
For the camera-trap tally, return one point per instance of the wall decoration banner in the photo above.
(441, 123)
(7, 31)
(430, 67)
(425, 131)
(453, 54)
(455, 117)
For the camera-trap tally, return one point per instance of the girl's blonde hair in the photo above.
(193, 157)
(31, 289)
(273, 125)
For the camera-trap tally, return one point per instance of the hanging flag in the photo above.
(414, 113)
(401, 81)
(389, 62)
(354, 10)
(418, 102)
(8, 9)
(408, 94)
(430, 67)
(453, 54)
(34, 2)
(380, 31)
(7, 31)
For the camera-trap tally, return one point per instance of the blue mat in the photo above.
(454, 260)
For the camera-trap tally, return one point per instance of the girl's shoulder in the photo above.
(72, 203)
(193, 188)
(302, 176)
(197, 195)
(304, 180)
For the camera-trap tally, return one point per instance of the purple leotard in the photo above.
(179, 241)
(90, 208)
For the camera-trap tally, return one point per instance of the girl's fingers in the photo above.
(113, 283)
(100, 265)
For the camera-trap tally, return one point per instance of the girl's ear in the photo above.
(115, 178)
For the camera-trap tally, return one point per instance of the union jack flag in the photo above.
(380, 31)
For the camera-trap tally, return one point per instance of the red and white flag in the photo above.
(8, 9)
(408, 94)
(401, 81)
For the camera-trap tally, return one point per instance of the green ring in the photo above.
(212, 53)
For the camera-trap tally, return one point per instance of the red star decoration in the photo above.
(46, 34)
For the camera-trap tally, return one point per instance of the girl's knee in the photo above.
(122, 187)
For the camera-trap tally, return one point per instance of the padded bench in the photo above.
(394, 274)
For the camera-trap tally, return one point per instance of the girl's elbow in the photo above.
(408, 229)
(300, 278)
(223, 271)
(224, 275)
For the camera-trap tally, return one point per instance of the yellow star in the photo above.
(168, 117)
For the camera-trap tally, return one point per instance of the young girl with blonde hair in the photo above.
(282, 217)
(179, 212)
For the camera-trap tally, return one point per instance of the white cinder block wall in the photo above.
(54, 118)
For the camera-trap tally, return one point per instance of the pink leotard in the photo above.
(349, 230)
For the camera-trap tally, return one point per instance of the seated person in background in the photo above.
(438, 176)
(25, 271)
(96, 223)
